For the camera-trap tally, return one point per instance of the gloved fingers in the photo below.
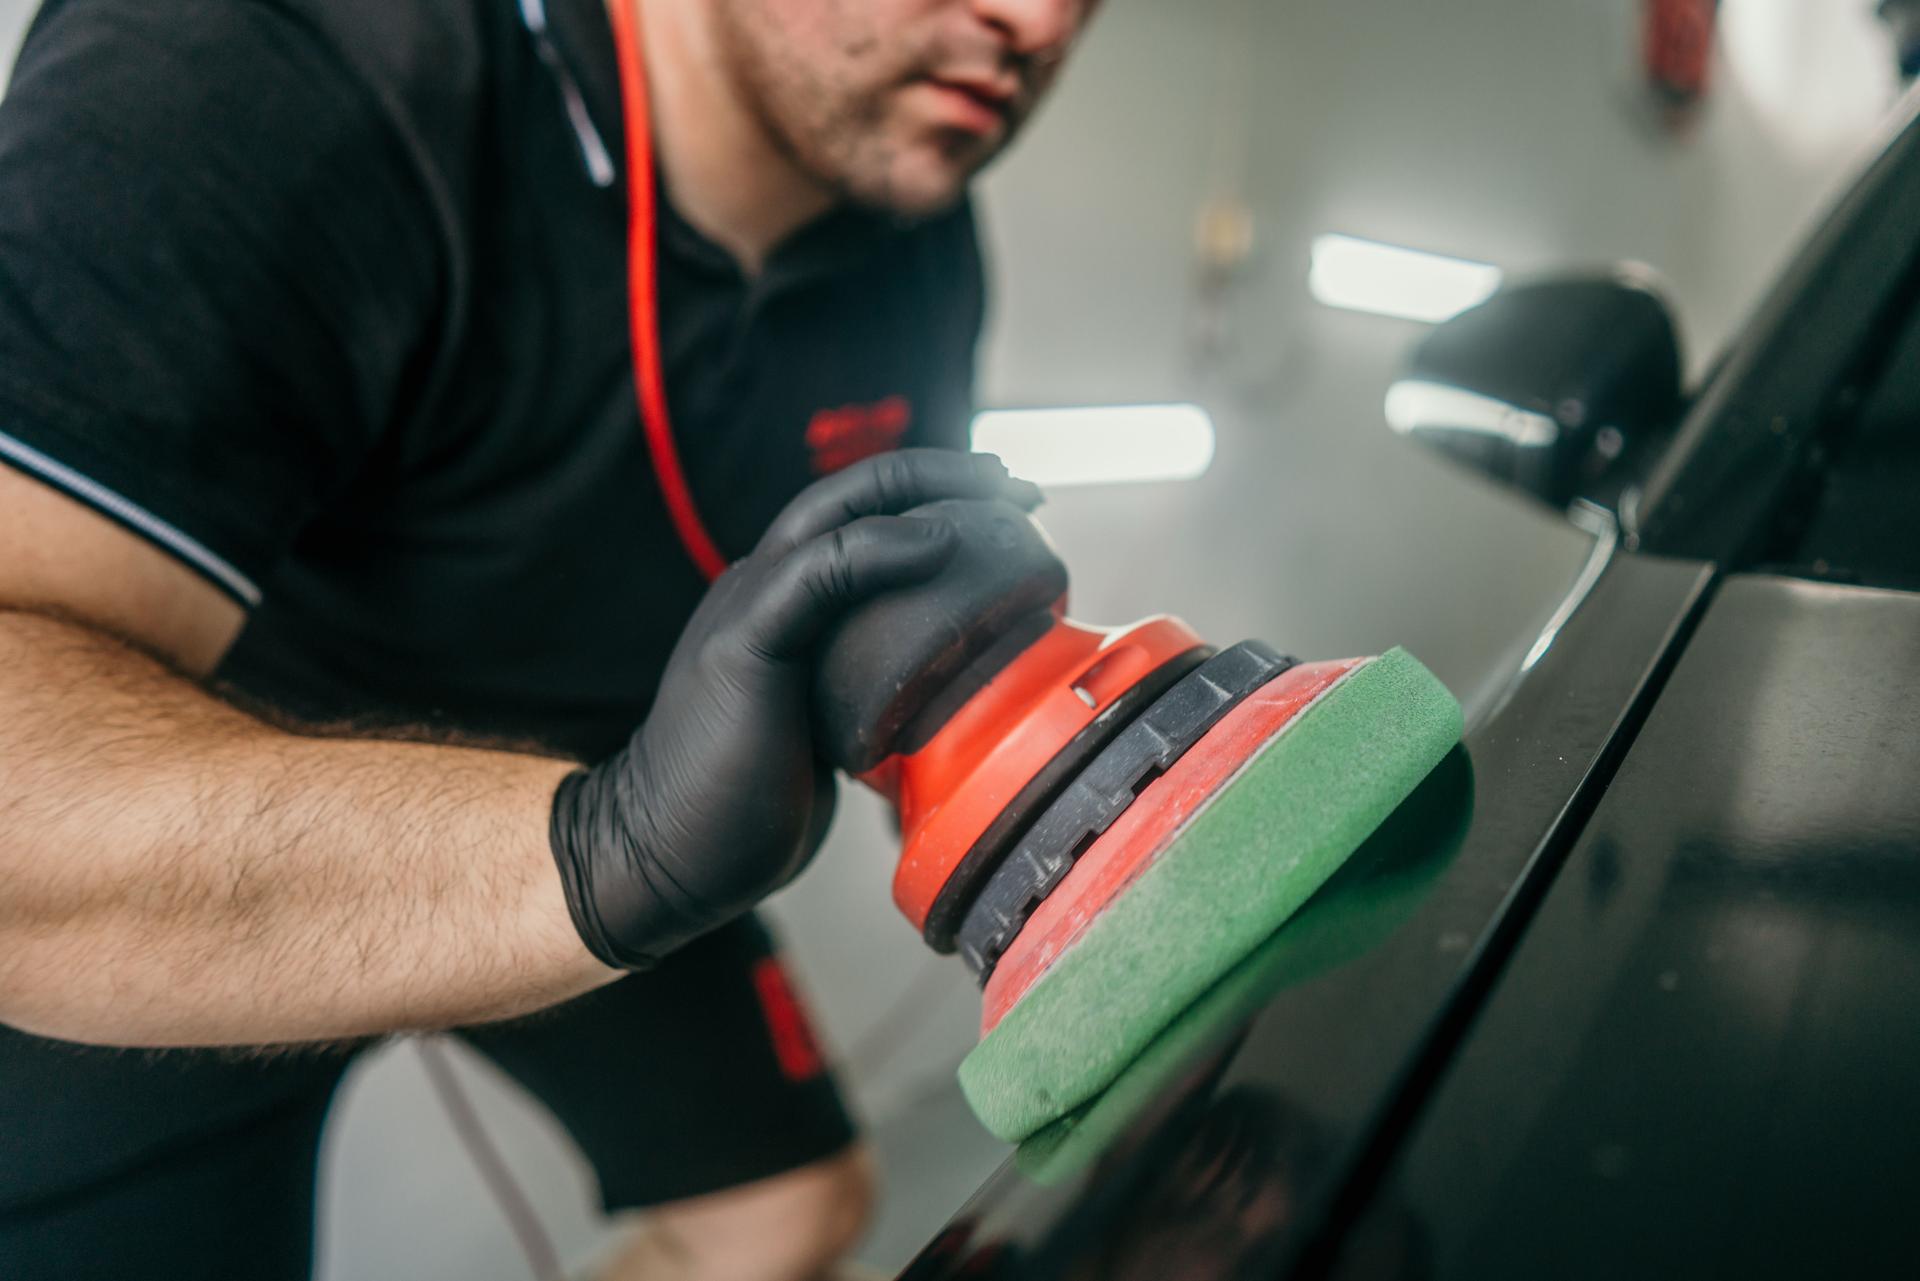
(811, 587)
(888, 484)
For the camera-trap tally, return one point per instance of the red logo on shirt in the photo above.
(794, 1046)
(840, 437)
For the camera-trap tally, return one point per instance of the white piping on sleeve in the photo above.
(593, 149)
(175, 540)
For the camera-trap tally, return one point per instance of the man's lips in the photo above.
(994, 91)
(977, 106)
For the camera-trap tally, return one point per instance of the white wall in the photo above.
(13, 21)
(1507, 130)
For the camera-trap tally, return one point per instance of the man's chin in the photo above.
(919, 188)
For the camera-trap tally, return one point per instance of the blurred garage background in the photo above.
(1150, 244)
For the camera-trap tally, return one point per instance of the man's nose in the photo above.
(1035, 28)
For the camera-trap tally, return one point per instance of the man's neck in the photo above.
(727, 176)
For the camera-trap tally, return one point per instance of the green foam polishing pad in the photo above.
(1359, 906)
(1234, 869)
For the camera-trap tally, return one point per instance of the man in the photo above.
(317, 400)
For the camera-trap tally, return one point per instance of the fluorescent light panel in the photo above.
(1389, 280)
(1101, 445)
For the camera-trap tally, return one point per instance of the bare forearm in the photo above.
(179, 873)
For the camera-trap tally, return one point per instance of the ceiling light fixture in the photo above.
(1390, 280)
(1099, 445)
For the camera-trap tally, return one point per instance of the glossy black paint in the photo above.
(1274, 1132)
(1702, 1059)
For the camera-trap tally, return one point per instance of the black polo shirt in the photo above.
(328, 298)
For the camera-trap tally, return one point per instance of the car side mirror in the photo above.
(1554, 386)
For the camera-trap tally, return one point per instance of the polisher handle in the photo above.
(893, 672)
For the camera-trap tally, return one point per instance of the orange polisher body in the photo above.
(955, 787)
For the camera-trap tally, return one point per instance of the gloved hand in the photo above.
(719, 798)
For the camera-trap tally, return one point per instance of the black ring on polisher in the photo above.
(1089, 805)
(984, 857)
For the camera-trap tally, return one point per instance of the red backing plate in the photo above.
(1149, 826)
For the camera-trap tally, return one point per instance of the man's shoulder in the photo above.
(430, 58)
(407, 39)
(407, 36)
(419, 58)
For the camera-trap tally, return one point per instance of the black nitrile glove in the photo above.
(719, 798)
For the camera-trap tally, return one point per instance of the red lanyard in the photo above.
(644, 301)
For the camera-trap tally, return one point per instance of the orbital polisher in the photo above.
(1102, 821)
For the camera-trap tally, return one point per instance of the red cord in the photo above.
(644, 301)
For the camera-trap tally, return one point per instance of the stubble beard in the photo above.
(837, 131)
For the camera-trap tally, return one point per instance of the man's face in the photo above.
(894, 104)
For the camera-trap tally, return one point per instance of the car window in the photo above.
(1864, 522)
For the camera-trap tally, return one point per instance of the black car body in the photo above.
(1631, 986)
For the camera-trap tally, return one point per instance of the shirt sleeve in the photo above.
(219, 268)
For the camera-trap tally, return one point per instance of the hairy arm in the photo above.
(176, 872)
